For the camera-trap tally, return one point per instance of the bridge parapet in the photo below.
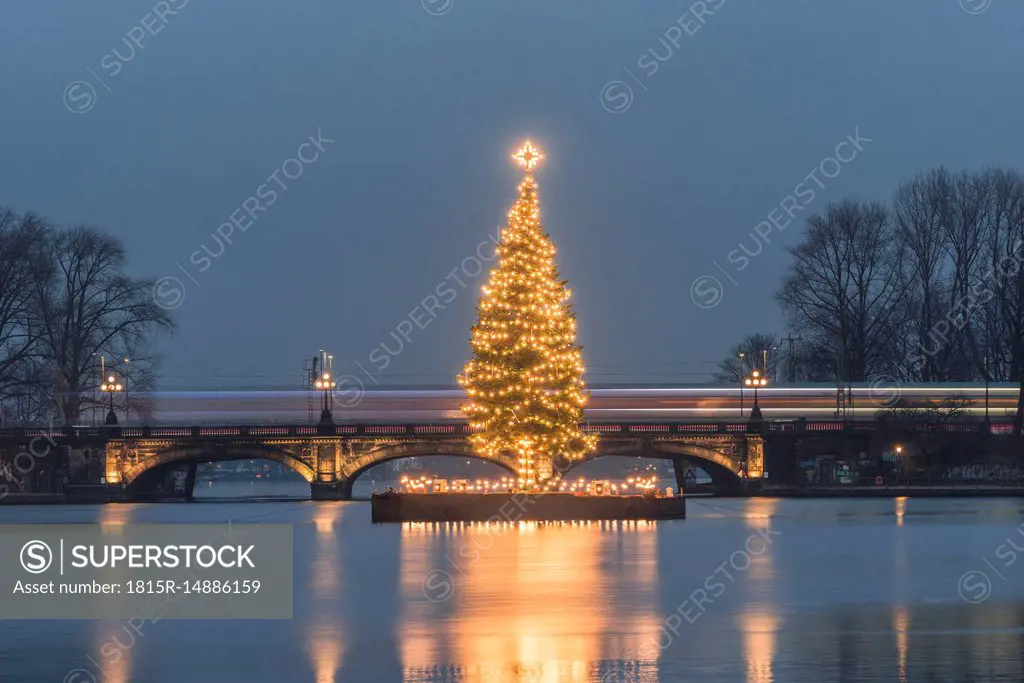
(459, 428)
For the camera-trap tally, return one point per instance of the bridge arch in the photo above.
(702, 453)
(171, 456)
(419, 449)
(725, 472)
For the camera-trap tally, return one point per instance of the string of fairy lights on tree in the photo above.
(525, 379)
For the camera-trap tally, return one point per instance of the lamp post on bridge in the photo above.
(325, 382)
(109, 386)
(756, 380)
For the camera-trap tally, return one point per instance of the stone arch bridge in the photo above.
(139, 462)
(96, 464)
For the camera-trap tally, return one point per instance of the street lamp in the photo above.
(326, 383)
(756, 380)
(110, 386)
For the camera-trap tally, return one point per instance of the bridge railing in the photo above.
(459, 429)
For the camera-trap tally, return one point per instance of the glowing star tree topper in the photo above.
(528, 156)
(525, 379)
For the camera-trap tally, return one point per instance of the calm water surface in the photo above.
(752, 591)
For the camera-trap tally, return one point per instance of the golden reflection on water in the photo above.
(548, 602)
(326, 566)
(900, 612)
(901, 508)
(900, 558)
(116, 641)
(759, 626)
(114, 518)
(326, 650)
(901, 625)
(758, 518)
(758, 631)
(758, 511)
(326, 637)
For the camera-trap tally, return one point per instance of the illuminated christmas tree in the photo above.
(525, 380)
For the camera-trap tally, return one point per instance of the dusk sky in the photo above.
(416, 106)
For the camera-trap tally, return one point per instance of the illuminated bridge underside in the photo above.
(724, 451)
(136, 458)
(336, 456)
(374, 453)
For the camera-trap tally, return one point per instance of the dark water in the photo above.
(793, 591)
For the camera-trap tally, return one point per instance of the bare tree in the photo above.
(843, 291)
(91, 308)
(813, 361)
(21, 269)
(732, 369)
(139, 374)
(940, 220)
(919, 208)
(964, 227)
(31, 400)
(1002, 281)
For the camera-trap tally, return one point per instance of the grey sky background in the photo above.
(424, 110)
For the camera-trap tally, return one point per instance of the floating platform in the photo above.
(514, 507)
